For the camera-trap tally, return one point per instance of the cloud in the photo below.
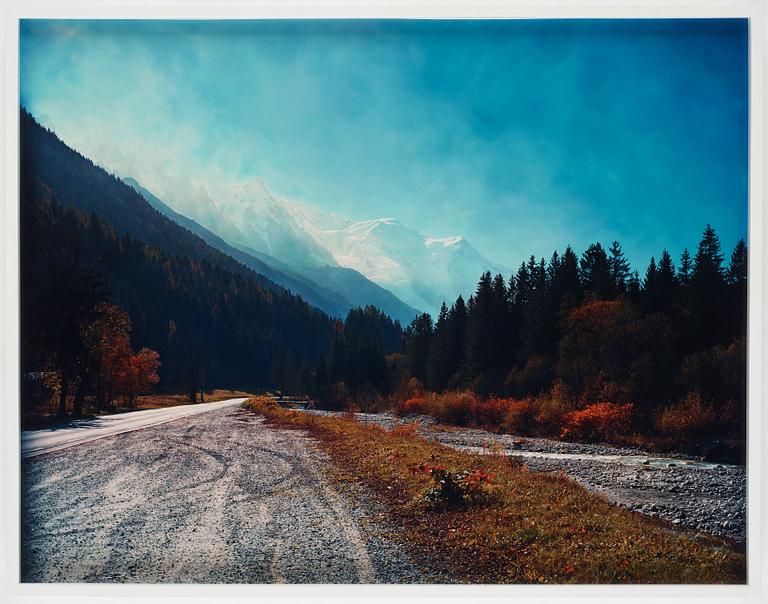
(523, 136)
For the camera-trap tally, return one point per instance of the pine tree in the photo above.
(522, 287)
(596, 272)
(456, 332)
(569, 282)
(666, 282)
(736, 277)
(481, 341)
(737, 268)
(708, 264)
(633, 287)
(686, 268)
(708, 295)
(418, 342)
(437, 360)
(619, 268)
(650, 286)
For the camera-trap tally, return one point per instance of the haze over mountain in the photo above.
(333, 289)
(420, 270)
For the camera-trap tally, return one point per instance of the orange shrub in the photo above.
(552, 408)
(455, 408)
(416, 405)
(690, 418)
(520, 416)
(598, 421)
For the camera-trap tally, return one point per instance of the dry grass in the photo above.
(156, 401)
(537, 528)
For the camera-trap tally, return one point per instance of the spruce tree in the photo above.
(619, 268)
(737, 268)
(708, 297)
(437, 360)
(684, 274)
(633, 287)
(418, 342)
(569, 282)
(456, 332)
(666, 282)
(596, 272)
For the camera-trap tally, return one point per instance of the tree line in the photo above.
(589, 326)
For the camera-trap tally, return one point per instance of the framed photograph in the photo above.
(310, 301)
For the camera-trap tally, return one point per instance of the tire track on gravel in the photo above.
(213, 498)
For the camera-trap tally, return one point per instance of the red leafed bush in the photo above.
(456, 408)
(489, 413)
(520, 417)
(599, 421)
(416, 405)
(456, 490)
(691, 418)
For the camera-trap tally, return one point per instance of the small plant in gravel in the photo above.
(456, 490)
(349, 413)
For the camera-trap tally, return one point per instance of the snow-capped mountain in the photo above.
(422, 271)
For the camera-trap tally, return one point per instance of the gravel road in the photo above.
(214, 498)
(79, 431)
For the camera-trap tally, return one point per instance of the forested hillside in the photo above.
(88, 240)
(50, 167)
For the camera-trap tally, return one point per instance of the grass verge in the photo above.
(531, 528)
(155, 401)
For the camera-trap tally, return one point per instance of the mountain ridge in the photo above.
(422, 271)
(333, 289)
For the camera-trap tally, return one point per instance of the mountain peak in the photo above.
(451, 242)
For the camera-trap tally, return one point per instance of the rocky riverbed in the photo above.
(706, 497)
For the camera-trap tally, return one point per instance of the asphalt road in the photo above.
(216, 497)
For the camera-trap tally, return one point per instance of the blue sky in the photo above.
(524, 136)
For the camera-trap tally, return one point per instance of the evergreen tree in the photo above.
(569, 283)
(737, 268)
(707, 293)
(708, 264)
(736, 277)
(686, 268)
(481, 341)
(418, 341)
(619, 268)
(437, 361)
(633, 287)
(455, 335)
(666, 283)
(651, 286)
(596, 273)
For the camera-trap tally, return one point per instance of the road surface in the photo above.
(214, 497)
(76, 432)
